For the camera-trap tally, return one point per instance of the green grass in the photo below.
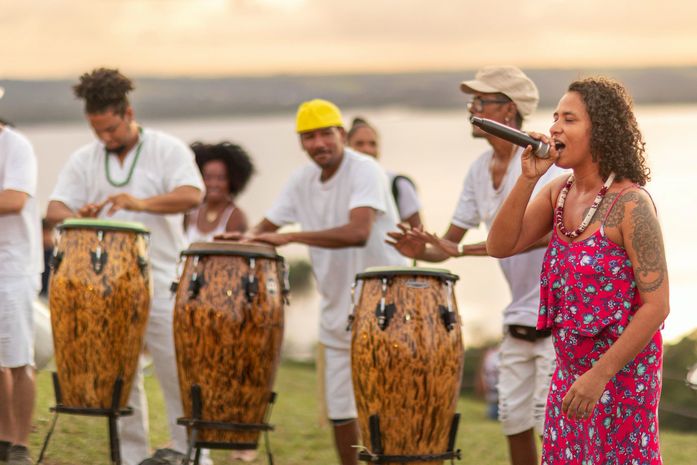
(298, 438)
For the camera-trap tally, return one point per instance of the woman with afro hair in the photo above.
(226, 169)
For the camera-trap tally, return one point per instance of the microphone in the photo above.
(539, 148)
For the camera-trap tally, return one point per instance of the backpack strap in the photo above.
(395, 188)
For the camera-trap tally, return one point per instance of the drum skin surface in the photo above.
(409, 373)
(98, 318)
(226, 343)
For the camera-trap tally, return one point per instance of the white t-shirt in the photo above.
(165, 163)
(407, 199)
(478, 203)
(316, 205)
(21, 246)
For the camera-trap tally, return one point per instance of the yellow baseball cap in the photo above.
(317, 114)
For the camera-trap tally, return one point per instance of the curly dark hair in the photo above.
(616, 142)
(104, 89)
(238, 163)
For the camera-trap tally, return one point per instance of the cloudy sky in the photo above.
(60, 38)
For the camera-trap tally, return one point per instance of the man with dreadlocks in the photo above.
(133, 173)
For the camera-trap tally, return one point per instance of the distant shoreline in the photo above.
(51, 101)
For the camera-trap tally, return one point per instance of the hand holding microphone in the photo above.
(514, 136)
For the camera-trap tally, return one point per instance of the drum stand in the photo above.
(195, 424)
(112, 414)
(375, 455)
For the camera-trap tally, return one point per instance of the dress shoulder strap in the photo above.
(619, 195)
(637, 186)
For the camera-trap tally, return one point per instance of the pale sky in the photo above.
(62, 38)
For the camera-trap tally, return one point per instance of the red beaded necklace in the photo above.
(559, 210)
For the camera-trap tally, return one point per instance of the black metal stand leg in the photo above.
(375, 436)
(376, 455)
(267, 417)
(59, 401)
(114, 445)
(48, 437)
(196, 408)
(195, 424)
(453, 435)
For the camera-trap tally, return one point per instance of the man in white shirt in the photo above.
(506, 95)
(343, 203)
(21, 263)
(135, 174)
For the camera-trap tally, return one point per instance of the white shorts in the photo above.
(525, 374)
(338, 386)
(17, 295)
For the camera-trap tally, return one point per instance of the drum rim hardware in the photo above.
(234, 253)
(104, 225)
(251, 284)
(394, 272)
(99, 257)
(449, 317)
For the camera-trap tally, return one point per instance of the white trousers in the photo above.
(525, 373)
(133, 429)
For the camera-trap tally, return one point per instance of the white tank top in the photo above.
(193, 234)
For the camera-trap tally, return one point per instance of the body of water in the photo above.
(435, 149)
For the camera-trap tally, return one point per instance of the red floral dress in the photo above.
(588, 296)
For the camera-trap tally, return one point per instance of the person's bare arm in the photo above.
(179, 200)
(417, 244)
(237, 221)
(57, 212)
(521, 222)
(12, 201)
(355, 233)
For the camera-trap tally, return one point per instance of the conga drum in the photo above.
(99, 297)
(228, 329)
(406, 358)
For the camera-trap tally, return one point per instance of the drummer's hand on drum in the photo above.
(90, 210)
(230, 236)
(444, 245)
(534, 167)
(124, 201)
(406, 244)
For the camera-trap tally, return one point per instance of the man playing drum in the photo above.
(135, 174)
(506, 95)
(343, 203)
(21, 262)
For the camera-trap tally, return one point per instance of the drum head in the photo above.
(391, 271)
(104, 225)
(232, 248)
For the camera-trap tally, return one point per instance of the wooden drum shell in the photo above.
(410, 372)
(225, 344)
(98, 318)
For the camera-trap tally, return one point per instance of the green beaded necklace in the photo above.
(133, 165)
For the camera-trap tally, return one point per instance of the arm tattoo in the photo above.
(650, 269)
